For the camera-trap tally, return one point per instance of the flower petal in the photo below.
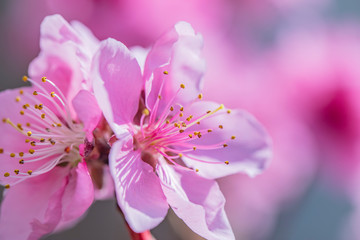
(179, 53)
(138, 190)
(14, 142)
(197, 201)
(65, 57)
(78, 195)
(33, 208)
(249, 152)
(88, 111)
(117, 83)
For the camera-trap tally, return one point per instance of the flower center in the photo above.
(175, 133)
(51, 136)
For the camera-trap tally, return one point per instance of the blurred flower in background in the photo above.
(293, 64)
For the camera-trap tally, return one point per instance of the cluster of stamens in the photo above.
(171, 135)
(53, 138)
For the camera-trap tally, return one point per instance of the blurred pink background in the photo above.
(293, 64)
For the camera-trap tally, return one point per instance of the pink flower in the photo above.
(44, 127)
(171, 144)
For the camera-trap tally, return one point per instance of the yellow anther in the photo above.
(171, 108)
(17, 99)
(21, 92)
(190, 135)
(25, 78)
(199, 135)
(181, 130)
(194, 148)
(19, 126)
(42, 140)
(221, 126)
(209, 130)
(200, 96)
(16, 171)
(233, 137)
(6, 174)
(196, 170)
(36, 106)
(7, 186)
(43, 79)
(25, 106)
(43, 115)
(182, 109)
(221, 106)
(196, 133)
(52, 142)
(1, 150)
(182, 86)
(208, 112)
(183, 124)
(189, 118)
(58, 125)
(159, 97)
(180, 155)
(166, 72)
(27, 140)
(40, 106)
(21, 161)
(31, 151)
(22, 112)
(4, 120)
(12, 155)
(228, 111)
(167, 121)
(146, 112)
(52, 94)
(35, 93)
(29, 172)
(29, 133)
(198, 122)
(181, 114)
(21, 154)
(226, 162)
(28, 124)
(225, 145)
(33, 143)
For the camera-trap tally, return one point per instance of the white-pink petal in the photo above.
(250, 151)
(179, 53)
(197, 201)
(117, 83)
(138, 190)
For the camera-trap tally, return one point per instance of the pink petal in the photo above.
(197, 201)
(78, 195)
(87, 111)
(117, 83)
(249, 152)
(178, 52)
(66, 55)
(138, 190)
(61, 66)
(14, 142)
(33, 208)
